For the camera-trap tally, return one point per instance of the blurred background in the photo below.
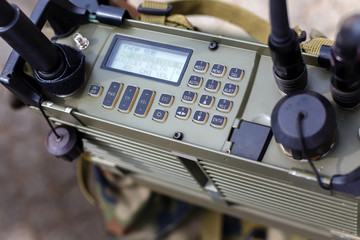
(39, 196)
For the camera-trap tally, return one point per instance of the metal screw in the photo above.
(81, 41)
(213, 46)
(178, 135)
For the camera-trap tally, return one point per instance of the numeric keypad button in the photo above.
(212, 85)
(182, 112)
(200, 117)
(218, 70)
(224, 105)
(201, 66)
(230, 89)
(236, 74)
(206, 101)
(195, 81)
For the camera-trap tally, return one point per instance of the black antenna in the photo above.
(58, 69)
(27, 40)
(289, 67)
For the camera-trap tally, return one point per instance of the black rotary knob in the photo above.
(317, 133)
(65, 144)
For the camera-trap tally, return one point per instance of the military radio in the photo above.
(200, 117)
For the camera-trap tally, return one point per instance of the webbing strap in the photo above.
(157, 19)
(83, 174)
(255, 26)
(314, 45)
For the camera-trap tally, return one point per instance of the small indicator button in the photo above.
(182, 112)
(212, 85)
(160, 115)
(200, 117)
(166, 100)
(206, 101)
(95, 90)
(201, 66)
(218, 70)
(230, 89)
(218, 121)
(236, 74)
(189, 97)
(112, 95)
(195, 81)
(224, 105)
(144, 103)
(127, 101)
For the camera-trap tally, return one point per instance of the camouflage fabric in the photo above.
(133, 212)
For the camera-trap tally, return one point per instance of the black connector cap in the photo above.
(318, 124)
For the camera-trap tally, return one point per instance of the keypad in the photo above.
(160, 115)
(212, 85)
(144, 103)
(236, 74)
(195, 81)
(230, 89)
(166, 100)
(200, 117)
(112, 95)
(218, 121)
(206, 101)
(218, 70)
(224, 105)
(189, 97)
(201, 66)
(183, 112)
(128, 99)
(95, 90)
(229, 86)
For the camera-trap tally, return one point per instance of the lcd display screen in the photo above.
(147, 59)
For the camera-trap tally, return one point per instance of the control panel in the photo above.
(142, 81)
(200, 94)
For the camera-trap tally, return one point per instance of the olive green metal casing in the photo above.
(278, 191)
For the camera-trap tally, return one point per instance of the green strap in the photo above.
(157, 19)
(83, 176)
(314, 45)
(255, 26)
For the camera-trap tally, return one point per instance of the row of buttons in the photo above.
(201, 117)
(212, 85)
(207, 101)
(183, 113)
(166, 100)
(128, 99)
(218, 70)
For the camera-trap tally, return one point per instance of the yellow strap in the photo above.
(179, 21)
(313, 46)
(83, 174)
(157, 19)
(255, 26)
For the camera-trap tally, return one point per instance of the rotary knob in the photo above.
(68, 146)
(304, 124)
